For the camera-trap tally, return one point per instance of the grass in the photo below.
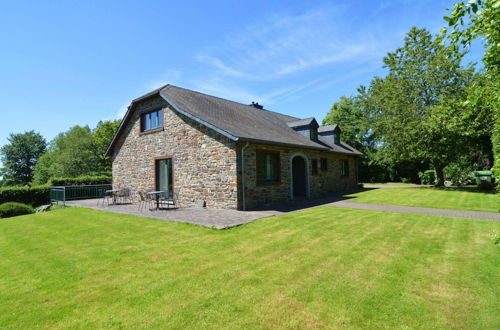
(391, 183)
(471, 200)
(323, 267)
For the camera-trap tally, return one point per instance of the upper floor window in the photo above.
(344, 168)
(151, 120)
(313, 132)
(336, 138)
(268, 167)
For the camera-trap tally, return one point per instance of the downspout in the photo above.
(243, 175)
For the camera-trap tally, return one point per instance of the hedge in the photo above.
(81, 180)
(34, 196)
(13, 209)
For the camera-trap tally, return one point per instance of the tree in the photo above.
(418, 116)
(70, 154)
(102, 136)
(20, 155)
(79, 151)
(467, 22)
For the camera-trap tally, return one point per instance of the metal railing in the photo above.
(69, 193)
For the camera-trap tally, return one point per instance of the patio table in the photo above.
(113, 193)
(157, 194)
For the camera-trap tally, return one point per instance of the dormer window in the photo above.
(336, 138)
(307, 127)
(330, 132)
(314, 133)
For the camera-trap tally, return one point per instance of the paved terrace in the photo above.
(212, 218)
(224, 218)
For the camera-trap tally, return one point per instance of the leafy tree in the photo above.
(469, 21)
(77, 152)
(102, 136)
(20, 155)
(418, 116)
(70, 154)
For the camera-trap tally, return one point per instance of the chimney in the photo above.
(257, 105)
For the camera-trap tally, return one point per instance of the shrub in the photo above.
(34, 196)
(13, 209)
(427, 177)
(459, 174)
(81, 180)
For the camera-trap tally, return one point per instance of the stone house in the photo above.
(225, 153)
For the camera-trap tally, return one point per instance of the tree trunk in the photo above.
(439, 175)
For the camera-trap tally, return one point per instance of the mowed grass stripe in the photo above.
(323, 267)
(431, 197)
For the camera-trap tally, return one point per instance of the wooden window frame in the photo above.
(267, 183)
(156, 171)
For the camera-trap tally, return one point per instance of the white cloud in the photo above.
(287, 44)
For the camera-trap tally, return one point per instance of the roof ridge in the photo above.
(221, 98)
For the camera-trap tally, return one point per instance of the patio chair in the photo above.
(104, 196)
(145, 199)
(124, 194)
(172, 199)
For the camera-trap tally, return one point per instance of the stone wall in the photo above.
(204, 161)
(322, 183)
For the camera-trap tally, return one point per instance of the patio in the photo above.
(212, 218)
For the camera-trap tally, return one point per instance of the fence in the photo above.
(69, 193)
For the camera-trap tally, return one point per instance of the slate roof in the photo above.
(327, 128)
(302, 122)
(235, 120)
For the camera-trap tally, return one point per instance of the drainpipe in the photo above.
(243, 175)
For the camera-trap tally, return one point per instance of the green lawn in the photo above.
(324, 267)
(431, 197)
(391, 184)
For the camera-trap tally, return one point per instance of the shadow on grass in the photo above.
(297, 205)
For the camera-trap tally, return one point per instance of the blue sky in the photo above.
(65, 63)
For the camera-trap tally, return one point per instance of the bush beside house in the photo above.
(13, 209)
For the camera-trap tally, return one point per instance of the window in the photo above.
(313, 132)
(268, 167)
(151, 120)
(336, 138)
(344, 169)
(314, 165)
(323, 164)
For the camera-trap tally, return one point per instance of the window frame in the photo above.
(159, 118)
(276, 167)
(323, 164)
(313, 133)
(344, 168)
(314, 166)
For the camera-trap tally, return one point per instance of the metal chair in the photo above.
(144, 199)
(124, 194)
(172, 199)
(104, 196)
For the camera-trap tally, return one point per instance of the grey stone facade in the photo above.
(204, 162)
(318, 185)
(207, 165)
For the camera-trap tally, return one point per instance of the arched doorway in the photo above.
(299, 177)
